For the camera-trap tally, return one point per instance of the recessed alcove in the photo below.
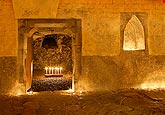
(134, 31)
(49, 42)
(134, 35)
(50, 53)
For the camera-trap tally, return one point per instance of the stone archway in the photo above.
(30, 30)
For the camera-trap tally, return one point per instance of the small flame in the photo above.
(70, 91)
(18, 94)
(30, 93)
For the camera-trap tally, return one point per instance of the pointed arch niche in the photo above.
(134, 35)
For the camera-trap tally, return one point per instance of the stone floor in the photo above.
(121, 102)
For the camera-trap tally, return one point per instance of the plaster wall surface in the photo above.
(100, 22)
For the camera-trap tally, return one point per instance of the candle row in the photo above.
(53, 70)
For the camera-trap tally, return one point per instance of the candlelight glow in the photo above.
(18, 94)
(154, 80)
(49, 70)
(32, 68)
(18, 89)
(46, 68)
(70, 91)
(53, 70)
(134, 38)
(60, 70)
(160, 85)
(30, 92)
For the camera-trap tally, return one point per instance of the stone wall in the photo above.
(8, 29)
(135, 70)
(8, 74)
(102, 54)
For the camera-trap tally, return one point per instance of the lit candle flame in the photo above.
(52, 69)
(70, 91)
(46, 68)
(60, 70)
(49, 70)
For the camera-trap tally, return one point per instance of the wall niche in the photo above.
(133, 31)
(49, 53)
(54, 50)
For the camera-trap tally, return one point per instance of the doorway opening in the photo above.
(50, 53)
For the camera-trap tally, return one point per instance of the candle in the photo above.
(56, 69)
(60, 70)
(46, 68)
(52, 69)
(49, 70)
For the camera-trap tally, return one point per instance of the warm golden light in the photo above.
(46, 68)
(18, 89)
(154, 80)
(56, 70)
(49, 70)
(30, 93)
(134, 38)
(152, 85)
(70, 91)
(53, 70)
(60, 69)
(18, 94)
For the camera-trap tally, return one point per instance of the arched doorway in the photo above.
(46, 44)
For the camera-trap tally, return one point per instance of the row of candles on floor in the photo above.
(53, 70)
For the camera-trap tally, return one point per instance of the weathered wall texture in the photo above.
(104, 64)
(8, 29)
(35, 9)
(7, 74)
(8, 47)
